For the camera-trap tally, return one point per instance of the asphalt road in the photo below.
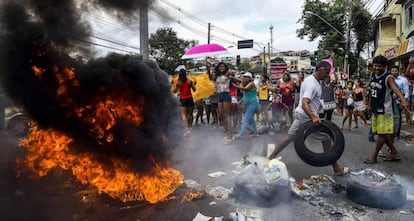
(204, 152)
(56, 197)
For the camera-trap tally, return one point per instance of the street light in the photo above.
(311, 13)
(345, 36)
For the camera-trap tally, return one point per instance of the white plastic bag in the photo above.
(275, 172)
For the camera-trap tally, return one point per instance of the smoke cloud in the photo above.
(43, 35)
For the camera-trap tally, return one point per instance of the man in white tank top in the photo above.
(308, 108)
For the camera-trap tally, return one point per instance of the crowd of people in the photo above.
(239, 102)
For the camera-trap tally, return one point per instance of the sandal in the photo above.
(368, 161)
(187, 133)
(391, 158)
(237, 137)
(381, 154)
(227, 140)
(344, 171)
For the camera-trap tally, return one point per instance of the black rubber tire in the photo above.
(19, 126)
(382, 197)
(319, 159)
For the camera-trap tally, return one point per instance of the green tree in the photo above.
(166, 48)
(333, 11)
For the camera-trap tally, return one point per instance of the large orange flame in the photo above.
(48, 149)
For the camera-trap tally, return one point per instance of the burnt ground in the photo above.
(59, 196)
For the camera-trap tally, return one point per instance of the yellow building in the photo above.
(395, 31)
(388, 30)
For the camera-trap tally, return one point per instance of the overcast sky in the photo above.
(230, 20)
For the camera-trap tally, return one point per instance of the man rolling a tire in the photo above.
(308, 108)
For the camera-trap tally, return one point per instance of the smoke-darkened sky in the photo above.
(45, 35)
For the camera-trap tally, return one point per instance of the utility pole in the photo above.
(208, 33)
(271, 41)
(348, 10)
(264, 60)
(143, 31)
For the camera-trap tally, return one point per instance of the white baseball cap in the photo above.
(248, 74)
(180, 67)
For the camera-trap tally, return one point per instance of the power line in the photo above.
(188, 14)
(103, 21)
(105, 46)
(115, 42)
(204, 23)
(188, 27)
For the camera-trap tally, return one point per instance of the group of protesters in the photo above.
(240, 101)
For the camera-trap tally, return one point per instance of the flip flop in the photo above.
(344, 171)
(368, 161)
(392, 158)
(382, 154)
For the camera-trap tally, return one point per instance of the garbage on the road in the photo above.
(220, 193)
(246, 215)
(275, 172)
(192, 184)
(216, 174)
(212, 203)
(262, 183)
(403, 212)
(195, 191)
(375, 189)
(201, 217)
(315, 186)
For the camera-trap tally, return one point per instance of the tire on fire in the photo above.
(324, 158)
(390, 196)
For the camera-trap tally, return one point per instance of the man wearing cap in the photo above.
(307, 109)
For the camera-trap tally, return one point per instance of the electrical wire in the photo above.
(105, 46)
(188, 27)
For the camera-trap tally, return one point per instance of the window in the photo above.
(409, 15)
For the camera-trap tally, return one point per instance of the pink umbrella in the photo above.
(205, 50)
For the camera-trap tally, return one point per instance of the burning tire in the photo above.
(383, 194)
(324, 158)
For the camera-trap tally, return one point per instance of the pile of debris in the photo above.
(263, 183)
(316, 186)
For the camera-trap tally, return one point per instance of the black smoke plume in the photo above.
(45, 34)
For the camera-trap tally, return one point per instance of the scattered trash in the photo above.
(237, 163)
(263, 183)
(192, 184)
(220, 193)
(201, 217)
(246, 215)
(410, 197)
(403, 212)
(275, 172)
(216, 174)
(318, 185)
(212, 203)
(246, 160)
(195, 191)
